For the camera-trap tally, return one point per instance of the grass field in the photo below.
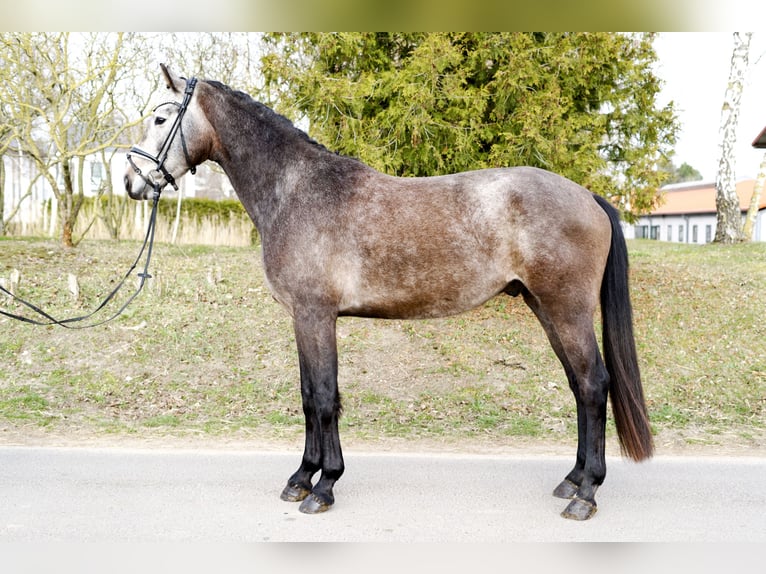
(205, 351)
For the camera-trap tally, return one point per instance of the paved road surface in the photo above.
(85, 494)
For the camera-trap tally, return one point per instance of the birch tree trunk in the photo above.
(729, 216)
(755, 200)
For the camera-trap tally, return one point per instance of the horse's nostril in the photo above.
(126, 180)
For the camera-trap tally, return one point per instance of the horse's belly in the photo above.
(429, 298)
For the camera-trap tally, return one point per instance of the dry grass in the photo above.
(206, 351)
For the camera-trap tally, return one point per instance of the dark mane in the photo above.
(264, 112)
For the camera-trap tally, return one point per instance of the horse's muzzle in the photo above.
(137, 187)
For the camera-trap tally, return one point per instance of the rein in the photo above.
(159, 161)
(143, 276)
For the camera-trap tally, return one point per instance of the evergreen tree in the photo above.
(680, 174)
(582, 105)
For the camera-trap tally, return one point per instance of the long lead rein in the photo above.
(143, 276)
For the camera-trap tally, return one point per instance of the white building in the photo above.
(687, 214)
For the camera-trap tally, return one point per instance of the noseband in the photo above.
(162, 156)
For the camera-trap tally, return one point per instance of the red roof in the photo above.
(700, 198)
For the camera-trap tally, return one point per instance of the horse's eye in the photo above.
(158, 121)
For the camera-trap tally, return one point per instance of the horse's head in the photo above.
(173, 142)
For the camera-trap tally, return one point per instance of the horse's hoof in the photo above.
(567, 489)
(579, 509)
(314, 505)
(294, 493)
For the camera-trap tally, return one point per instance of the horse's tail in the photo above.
(625, 389)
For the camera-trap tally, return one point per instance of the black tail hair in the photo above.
(625, 390)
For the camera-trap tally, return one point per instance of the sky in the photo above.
(695, 69)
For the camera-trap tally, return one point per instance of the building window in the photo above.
(655, 232)
(96, 173)
(670, 233)
(641, 231)
(680, 233)
(708, 233)
(694, 233)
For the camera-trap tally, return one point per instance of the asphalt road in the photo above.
(133, 495)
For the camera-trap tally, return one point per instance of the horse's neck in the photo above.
(258, 172)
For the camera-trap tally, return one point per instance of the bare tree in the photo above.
(729, 216)
(5, 133)
(67, 96)
(230, 57)
(59, 91)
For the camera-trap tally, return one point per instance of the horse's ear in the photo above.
(173, 83)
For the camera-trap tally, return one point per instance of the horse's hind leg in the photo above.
(574, 342)
(317, 353)
(568, 487)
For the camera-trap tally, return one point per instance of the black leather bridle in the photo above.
(162, 156)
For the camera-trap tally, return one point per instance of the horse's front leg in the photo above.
(318, 357)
